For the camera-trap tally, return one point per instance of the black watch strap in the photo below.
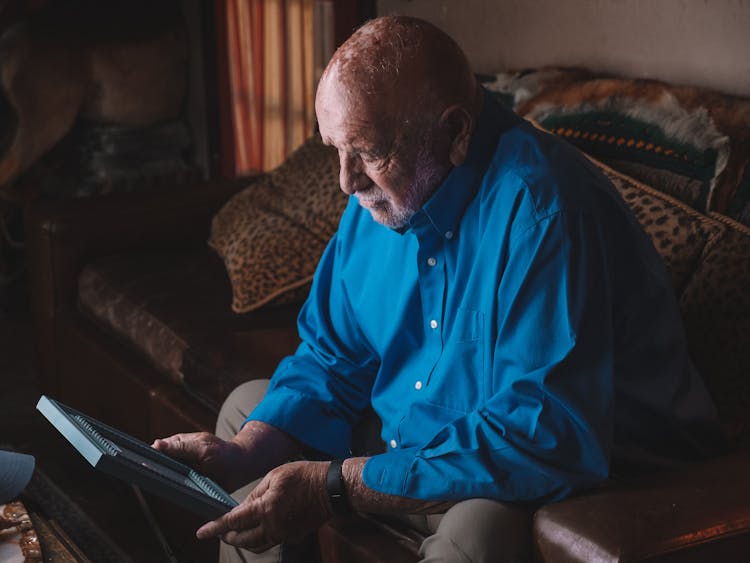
(335, 487)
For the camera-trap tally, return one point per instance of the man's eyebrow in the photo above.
(356, 146)
(376, 148)
(349, 147)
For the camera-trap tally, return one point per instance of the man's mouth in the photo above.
(370, 203)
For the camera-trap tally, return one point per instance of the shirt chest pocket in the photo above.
(468, 326)
(459, 379)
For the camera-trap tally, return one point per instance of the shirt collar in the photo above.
(446, 206)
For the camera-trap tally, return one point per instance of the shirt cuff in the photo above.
(388, 472)
(290, 411)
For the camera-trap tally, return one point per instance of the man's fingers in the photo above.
(161, 444)
(239, 527)
(173, 444)
(211, 530)
(184, 446)
(237, 519)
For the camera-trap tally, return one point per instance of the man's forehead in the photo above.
(346, 132)
(349, 118)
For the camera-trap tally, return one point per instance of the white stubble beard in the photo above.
(428, 176)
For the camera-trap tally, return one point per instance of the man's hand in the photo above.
(208, 454)
(287, 504)
(251, 453)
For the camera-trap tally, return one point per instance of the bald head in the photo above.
(408, 58)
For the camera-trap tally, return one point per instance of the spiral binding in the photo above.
(107, 445)
(206, 486)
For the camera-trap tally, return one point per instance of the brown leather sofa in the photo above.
(143, 257)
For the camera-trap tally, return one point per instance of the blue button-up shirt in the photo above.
(518, 334)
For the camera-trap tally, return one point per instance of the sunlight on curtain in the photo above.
(274, 48)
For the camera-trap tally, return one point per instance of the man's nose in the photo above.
(351, 176)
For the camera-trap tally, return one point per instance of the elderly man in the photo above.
(488, 294)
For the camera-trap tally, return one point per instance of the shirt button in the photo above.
(449, 235)
(393, 443)
(418, 385)
(431, 261)
(433, 324)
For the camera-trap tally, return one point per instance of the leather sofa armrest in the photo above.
(63, 235)
(698, 513)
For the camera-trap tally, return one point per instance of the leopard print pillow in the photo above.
(679, 233)
(271, 235)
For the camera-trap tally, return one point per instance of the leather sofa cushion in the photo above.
(173, 306)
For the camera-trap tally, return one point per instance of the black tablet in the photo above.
(136, 462)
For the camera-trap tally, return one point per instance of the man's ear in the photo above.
(457, 123)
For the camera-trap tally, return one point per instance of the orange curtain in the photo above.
(271, 51)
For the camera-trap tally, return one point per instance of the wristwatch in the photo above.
(335, 487)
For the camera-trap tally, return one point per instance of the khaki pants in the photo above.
(475, 530)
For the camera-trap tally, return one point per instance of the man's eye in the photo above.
(378, 161)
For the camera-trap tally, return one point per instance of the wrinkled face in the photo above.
(388, 162)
